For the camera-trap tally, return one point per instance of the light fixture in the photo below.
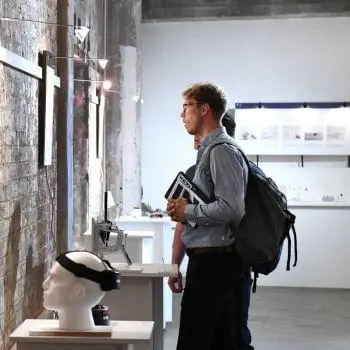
(107, 84)
(101, 61)
(80, 31)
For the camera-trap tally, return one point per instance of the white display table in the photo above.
(141, 297)
(124, 336)
(155, 250)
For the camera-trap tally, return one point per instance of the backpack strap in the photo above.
(295, 243)
(289, 251)
(255, 281)
(295, 246)
(229, 141)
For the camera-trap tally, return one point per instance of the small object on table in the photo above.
(100, 313)
(156, 214)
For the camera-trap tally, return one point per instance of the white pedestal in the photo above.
(154, 251)
(125, 335)
(163, 235)
(141, 297)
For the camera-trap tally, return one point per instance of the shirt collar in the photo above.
(210, 137)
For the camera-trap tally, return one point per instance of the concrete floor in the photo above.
(291, 319)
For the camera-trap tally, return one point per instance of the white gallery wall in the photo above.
(282, 60)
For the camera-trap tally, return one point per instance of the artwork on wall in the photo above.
(283, 131)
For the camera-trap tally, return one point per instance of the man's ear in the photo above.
(77, 291)
(205, 108)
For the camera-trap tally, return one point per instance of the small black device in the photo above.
(108, 279)
(104, 234)
(101, 316)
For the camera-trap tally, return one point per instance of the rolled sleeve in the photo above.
(190, 212)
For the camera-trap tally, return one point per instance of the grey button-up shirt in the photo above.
(225, 182)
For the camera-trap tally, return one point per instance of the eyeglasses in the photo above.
(191, 104)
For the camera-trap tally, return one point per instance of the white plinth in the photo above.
(140, 297)
(155, 250)
(124, 335)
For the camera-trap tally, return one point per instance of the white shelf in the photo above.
(318, 204)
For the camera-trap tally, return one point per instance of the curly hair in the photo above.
(208, 93)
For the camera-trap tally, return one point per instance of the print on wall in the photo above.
(294, 131)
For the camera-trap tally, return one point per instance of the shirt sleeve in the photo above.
(229, 174)
(191, 171)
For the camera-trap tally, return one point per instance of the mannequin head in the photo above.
(63, 289)
(77, 282)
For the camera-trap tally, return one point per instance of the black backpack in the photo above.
(266, 225)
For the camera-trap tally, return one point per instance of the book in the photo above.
(183, 187)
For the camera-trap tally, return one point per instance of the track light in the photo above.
(80, 31)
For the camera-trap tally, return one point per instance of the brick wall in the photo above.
(27, 192)
(27, 211)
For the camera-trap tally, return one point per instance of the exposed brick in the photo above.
(27, 193)
(24, 205)
(4, 209)
(4, 226)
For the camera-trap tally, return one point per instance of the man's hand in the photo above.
(176, 209)
(175, 283)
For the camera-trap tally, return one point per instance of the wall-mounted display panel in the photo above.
(293, 131)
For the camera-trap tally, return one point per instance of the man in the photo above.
(175, 283)
(211, 299)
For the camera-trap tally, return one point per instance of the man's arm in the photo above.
(175, 282)
(228, 174)
(178, 246)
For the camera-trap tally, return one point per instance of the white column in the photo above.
(131, 128)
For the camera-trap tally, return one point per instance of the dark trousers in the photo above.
(245, 337)
(210, 308)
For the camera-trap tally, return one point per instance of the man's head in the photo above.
(204, 104)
